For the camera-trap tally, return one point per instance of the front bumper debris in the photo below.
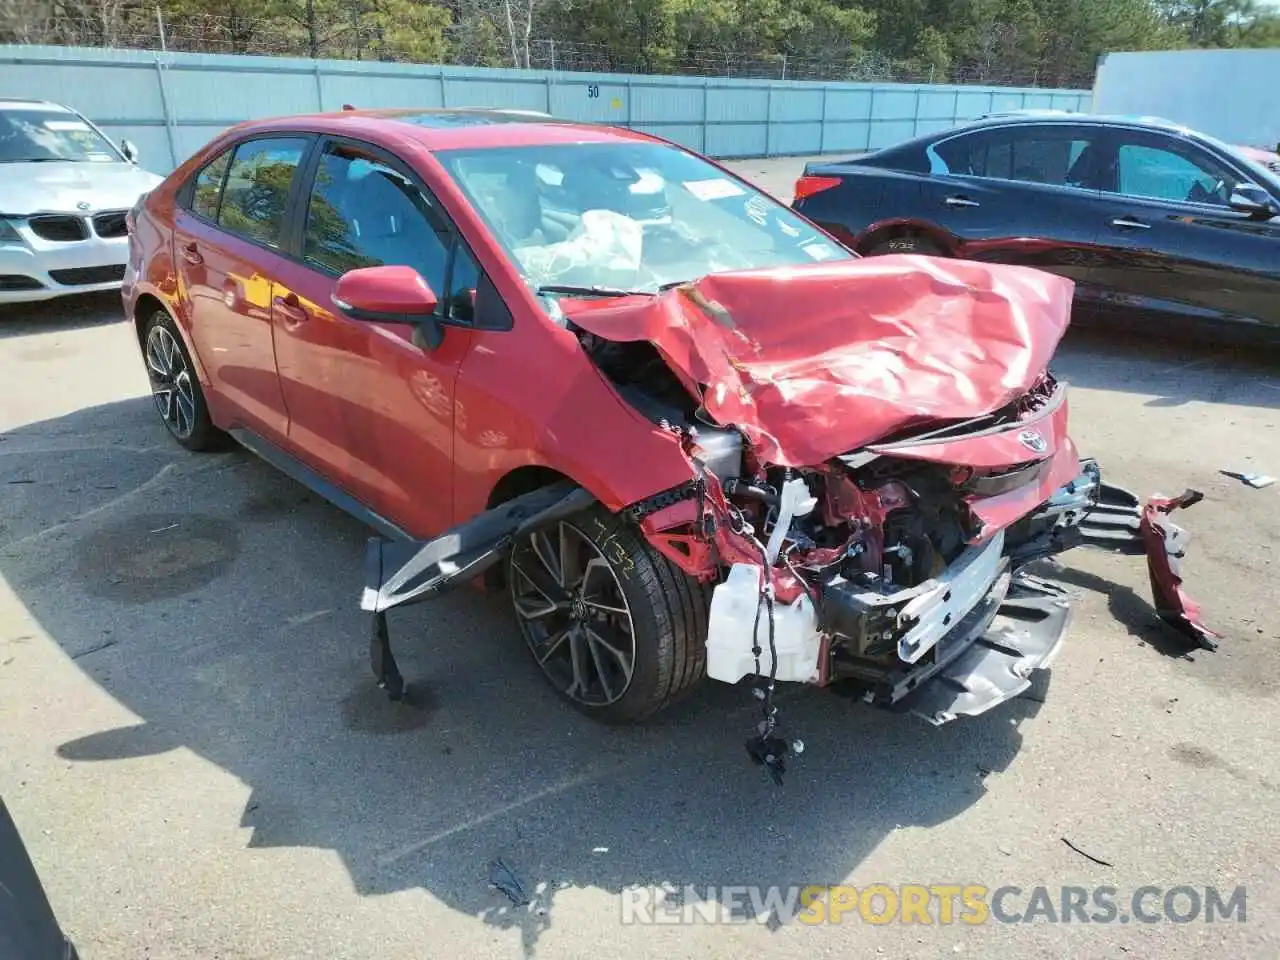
(399, 573)
(1087, 512)
(998, 653)
(985, 627)
(984, 656)
(1166, 545)
(915, 619)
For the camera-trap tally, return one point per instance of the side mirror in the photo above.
(1254, 200)
(390, 294)
(129, 150)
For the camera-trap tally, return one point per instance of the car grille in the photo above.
(16, 281)
(110, 224)
(82, 276)
(60, 229)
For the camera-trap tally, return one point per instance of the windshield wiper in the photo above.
(40, 160)
(591, 291)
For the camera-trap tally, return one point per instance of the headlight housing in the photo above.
(8, 231)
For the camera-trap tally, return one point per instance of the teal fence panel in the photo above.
(171, 104)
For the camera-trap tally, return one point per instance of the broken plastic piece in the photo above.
(1255, 480)
(505, 879)
(1088, 511)
(1166, 545)
(770, 752)
(795, 501)
(407, 572)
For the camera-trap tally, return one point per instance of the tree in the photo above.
(319, 21)
(1083, 30)
(406, 30)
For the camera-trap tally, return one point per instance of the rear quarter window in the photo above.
(207, 189)
(1027, 155)
(256, 192)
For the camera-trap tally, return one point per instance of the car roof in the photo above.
(1052, 116)
(12, 102)
(451, 128)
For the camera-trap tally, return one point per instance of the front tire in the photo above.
(616, 628)
(175, 388)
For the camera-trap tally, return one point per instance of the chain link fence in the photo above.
(372, 34)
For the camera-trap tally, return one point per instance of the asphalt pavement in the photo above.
(191, 741)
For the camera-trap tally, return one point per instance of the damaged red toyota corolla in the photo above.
(685, 431)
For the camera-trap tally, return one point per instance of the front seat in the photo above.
(387, 227)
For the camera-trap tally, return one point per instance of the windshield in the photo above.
(43, 133)
(627, 216)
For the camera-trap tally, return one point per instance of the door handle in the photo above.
(288, 307)
(192, 254)
(961, 202)
(1128, 223)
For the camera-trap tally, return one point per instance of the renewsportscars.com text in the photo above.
(930, 904)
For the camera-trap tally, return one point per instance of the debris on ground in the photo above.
(1087, 856)
(1255, 480)
(505, 879)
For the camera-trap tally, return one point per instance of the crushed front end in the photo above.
(872, 482)
(900, 570)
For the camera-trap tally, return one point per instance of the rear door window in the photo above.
(208, 187)
(1058, 155)
(256, 195)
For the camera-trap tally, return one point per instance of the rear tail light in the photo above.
(807, 186)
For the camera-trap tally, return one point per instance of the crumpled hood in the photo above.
(814, 361)
(58, 186)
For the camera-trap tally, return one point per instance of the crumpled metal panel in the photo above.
(813, 361)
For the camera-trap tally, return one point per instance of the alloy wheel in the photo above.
(574, 615)
(171, 385)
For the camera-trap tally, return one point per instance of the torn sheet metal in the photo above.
(813, 361)
(1166, 544)
(397, 572)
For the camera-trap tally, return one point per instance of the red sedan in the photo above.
(678, 424)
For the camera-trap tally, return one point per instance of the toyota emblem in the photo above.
(83, 205)
(1033, 441)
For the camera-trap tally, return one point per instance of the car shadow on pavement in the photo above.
(1127, 606)
(65, 313)
(1173, 371)
(217, 600)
